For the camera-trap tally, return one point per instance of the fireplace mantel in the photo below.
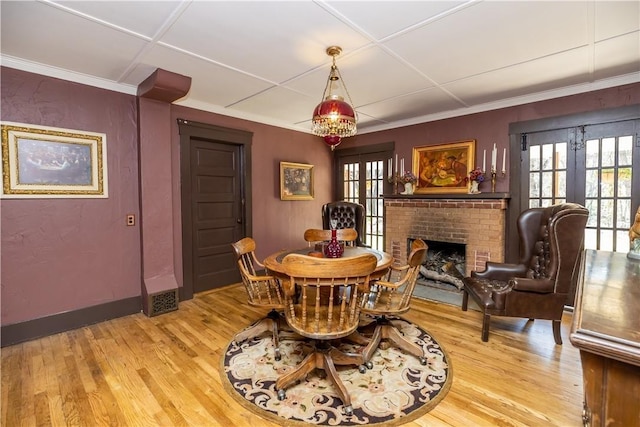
(461, 196)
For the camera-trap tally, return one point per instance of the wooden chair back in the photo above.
(346, 235)
(263, 290)
(394, 297)
(323, 295)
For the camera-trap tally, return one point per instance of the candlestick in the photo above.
(494, 176)
(494, 157)
(395, 180)
(389, 168)
(504, 161)
(396, 163)
(484, 160)
(402, 166)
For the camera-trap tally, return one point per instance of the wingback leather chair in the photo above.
(348, 215)
(551, 249)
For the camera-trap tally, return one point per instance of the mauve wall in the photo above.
(64, 254)
(493, 126)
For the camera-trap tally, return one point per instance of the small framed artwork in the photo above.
(44, 162)
(444, 168)
(296, 181)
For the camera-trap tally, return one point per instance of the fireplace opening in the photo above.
(445, 265)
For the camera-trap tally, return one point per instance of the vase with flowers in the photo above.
(476, 176)
(409, 180)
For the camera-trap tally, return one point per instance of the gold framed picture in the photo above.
(444, 168)
(296, 181)
(42, 162)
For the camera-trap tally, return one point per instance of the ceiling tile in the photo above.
(142, 17)
(276, 43)
(614, 18)
(491, 35)
(40, 33)
(210, 83)
(281, 103)
(544, 74)
(614, 57)
(415, 105)
(370, 75)
(384, 18)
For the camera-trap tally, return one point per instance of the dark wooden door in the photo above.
(215, 208)
(216, 213)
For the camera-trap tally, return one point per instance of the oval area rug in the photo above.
(398, 389)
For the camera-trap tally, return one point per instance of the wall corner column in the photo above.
(159, 281)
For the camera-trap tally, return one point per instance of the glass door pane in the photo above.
(546, 165)
(608, 185)
(374, 204)
(351, 182)
(362, 182)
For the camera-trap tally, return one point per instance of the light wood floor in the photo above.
(164, 370)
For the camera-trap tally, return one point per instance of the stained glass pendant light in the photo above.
(333, 118)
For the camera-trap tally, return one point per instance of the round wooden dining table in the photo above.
(274, 261)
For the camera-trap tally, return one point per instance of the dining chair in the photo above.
(323, 303)
(346, 235)
(386, 298)
(263, 290)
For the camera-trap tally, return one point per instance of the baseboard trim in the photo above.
(62, 322)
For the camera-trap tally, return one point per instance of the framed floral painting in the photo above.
(296, 181)
(444, 168)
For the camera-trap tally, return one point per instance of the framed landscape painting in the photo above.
(41, 162)
(296, 181)
(444, 168)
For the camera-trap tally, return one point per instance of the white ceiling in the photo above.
(403, 62)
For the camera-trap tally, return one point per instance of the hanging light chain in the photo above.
(346, 90)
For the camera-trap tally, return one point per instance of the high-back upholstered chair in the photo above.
(323, 303)
(551, 249)
(394, 298)
(262, 291)
(348, 215)
(346, 235)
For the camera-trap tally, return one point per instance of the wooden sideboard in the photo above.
(606, 330)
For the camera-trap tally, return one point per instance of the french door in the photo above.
(592, 165)
(360, 179)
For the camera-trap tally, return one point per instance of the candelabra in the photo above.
(395, 180)
(494, 176)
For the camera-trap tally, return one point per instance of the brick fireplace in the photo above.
(478, 223)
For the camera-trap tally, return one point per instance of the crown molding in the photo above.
(60, 73)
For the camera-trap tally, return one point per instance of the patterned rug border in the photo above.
(412, 416)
